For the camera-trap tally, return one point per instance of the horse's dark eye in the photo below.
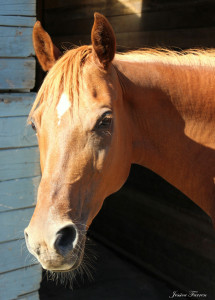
(105, 122)
(33, 126)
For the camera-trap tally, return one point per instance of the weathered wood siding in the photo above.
(16, 21)
(148, 220)
(20, 275)
(136, 23)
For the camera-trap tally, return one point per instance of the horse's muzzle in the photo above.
(61, 251)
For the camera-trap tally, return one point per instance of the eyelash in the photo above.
(104, 122)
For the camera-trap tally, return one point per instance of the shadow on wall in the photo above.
(175, 24)
(148, 23)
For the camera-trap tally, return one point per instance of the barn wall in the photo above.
(136, 23)
(19, 160)
(148, 220)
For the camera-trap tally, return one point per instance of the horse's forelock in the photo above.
(64, 76)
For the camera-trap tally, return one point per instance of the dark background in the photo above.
(148, 222)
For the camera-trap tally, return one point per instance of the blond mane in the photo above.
(193, 57)
(64, 76)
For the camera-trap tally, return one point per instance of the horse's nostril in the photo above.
(65, 239)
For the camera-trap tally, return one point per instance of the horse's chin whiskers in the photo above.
(67, 279)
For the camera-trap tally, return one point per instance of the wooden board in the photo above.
(174, 24)
(17, 21)
(16, 104)
(180, 38)
(16, 41)
(19, 8)
(14, 132)
(30, 296)
(20, 282)
(16, 255)
(18, 193)
(17, 74)
(19, 163)
(57, 4)
(19, 277)
(148, 21)
(86, 9)
(13, 223)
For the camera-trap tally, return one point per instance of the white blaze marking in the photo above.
(62, 107)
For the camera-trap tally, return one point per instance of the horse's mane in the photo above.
(193, 57)
(64, 76)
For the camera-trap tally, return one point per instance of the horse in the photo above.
(97, 113)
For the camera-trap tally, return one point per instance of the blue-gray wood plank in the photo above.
(16, 255)
(20, 8)
(19, 282)
(22, 21)
(18, 167)
(18, 193)
(13, 223)
(16, 41)
(29, 296)
(17, 74)
(14, 132)
(16, 104)
(19, 163)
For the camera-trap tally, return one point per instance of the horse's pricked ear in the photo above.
(103, 40)
(46, 52)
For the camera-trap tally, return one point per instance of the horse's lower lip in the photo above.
(75, 266)
(72, 268)
(61, 271)
(72, 265)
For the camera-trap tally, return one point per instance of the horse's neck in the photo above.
(173, 125)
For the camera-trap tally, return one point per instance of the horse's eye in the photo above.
(33, 126)
(105, 122)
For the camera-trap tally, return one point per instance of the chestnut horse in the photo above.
(96, 114)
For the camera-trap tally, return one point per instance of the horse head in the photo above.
(84, 142)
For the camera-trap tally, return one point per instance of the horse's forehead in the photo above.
(96, 78)
(95, 90)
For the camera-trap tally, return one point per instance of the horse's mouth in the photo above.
(68, 266)
(71, 263)
(73, 268)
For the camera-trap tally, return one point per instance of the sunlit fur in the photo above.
(68, 69)
(193, 57)
(64, 76)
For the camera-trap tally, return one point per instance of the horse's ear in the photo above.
(103, 40)
(46, 52)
